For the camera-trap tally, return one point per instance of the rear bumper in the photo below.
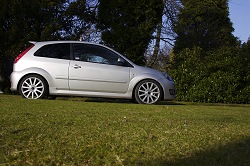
(14, 79)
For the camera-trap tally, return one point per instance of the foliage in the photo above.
(204, 24)
(162, 61)
(209, 64)
(127, 26)
(219, 76)
(164, 34)
(36, 20)
(187, 71)
(243, 68)
(78, 131)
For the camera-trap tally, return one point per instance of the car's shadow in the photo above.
(109, 100)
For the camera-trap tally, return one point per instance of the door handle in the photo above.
(76, 66)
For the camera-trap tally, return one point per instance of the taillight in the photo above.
(23, 53)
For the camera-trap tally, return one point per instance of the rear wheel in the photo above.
(33, 87)
(148, 92)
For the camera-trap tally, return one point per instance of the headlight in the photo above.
(167, 76)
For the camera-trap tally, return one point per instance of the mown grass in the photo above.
(77, 131)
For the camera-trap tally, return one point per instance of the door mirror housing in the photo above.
(120, 61)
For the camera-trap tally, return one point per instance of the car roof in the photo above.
(63, 41)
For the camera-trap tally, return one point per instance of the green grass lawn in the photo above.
(78, 131)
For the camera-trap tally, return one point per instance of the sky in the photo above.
(240, 17)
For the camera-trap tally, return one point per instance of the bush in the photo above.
(217, 76)
(219, 87)
(184, 70)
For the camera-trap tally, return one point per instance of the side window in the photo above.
(59, 51)
(94, 54)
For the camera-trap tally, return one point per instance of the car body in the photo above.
(75, 68)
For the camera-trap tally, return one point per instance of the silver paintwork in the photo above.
(76, 78)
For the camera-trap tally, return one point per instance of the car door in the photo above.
(95, 69)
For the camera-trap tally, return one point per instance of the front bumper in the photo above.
(169, 90)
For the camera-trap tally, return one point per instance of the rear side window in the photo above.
(59, 51)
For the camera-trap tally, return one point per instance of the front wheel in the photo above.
(33, 87)
(148, 92)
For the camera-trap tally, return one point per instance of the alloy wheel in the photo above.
(148, 92)
(32, 88)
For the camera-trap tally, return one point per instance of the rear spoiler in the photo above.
(33, 42)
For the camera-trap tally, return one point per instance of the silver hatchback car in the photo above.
(74, 68)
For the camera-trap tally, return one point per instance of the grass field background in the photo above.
(79, 131)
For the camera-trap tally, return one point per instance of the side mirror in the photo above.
(120, 61)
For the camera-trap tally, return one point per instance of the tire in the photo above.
(148, 92)
(33, 87)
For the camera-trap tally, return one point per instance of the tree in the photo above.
(204, 24)
(127, 26)
(209, 64)
(37, 20)
(81, 18)
(243, 72)
(164, 32)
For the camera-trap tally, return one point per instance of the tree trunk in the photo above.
(154, 57)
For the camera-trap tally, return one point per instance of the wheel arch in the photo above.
(150, 79)
(37, 71)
